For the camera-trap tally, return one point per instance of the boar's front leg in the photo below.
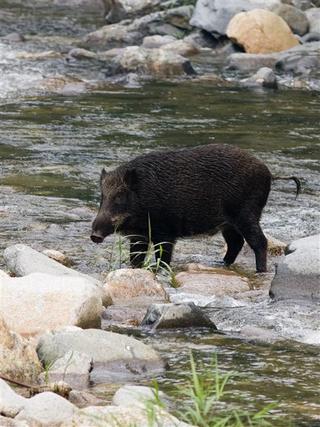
(138, 251)
(163, 250)
(234, 242)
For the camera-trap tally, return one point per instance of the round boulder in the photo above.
(261, 31)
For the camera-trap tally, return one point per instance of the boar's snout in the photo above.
(96, 238)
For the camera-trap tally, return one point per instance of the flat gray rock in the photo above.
(113, 355)
(167, 316)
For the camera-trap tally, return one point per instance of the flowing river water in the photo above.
(53, 147)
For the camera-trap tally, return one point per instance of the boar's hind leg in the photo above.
(251, 231)
(138, 251)
(234, 242)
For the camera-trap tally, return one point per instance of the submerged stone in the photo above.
(167, 316)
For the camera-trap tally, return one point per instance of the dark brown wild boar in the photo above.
(183, 193)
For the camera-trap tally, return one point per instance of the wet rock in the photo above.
(258, 334)
(18, 359)
(211, 283)
(251, 61)
(126, 283)
(46, 409)
(300, 4)
(295, 18)
(45, 301)
(11, 403)
(39, 56)
(214, 15)
(157, 62)
(298, 275)
(59, 257)
(79, 53)
(73, 368)
(264, 77)
(182, 47)
(137, 396)
(311, 37)
(313, 16)
(261, 31)
(154, 42)
(117, 10)
(171, 22)
(114, 354)
(167, 316)
(82, 398)
(14, 37)
(303, 59)
(121, 416)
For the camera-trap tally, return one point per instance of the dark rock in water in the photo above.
(251, 61)
(214, 15)
(167, 316)
(298, 275)
(295, 18)
(302, 59)
(265, 77)
(311, 37)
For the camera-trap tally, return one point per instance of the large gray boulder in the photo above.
(44, 301)
(215, 15)
(298, 275)
(113, 353)
(295, 18)
(46, 410)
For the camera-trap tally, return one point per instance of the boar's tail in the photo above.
(288, 178)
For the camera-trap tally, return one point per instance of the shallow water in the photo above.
(53, 147)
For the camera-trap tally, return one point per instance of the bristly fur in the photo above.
(186, 192)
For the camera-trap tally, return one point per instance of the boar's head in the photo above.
(117, 204)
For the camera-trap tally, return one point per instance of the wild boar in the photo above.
(183, 193)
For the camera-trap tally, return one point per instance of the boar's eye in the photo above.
(119, 200)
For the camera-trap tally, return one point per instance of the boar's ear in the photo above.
(103, 175)
(131, 178)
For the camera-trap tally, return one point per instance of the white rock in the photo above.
(23, 260)
(10, 402)
(43, 302)
(313, 16)
(47, 409)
